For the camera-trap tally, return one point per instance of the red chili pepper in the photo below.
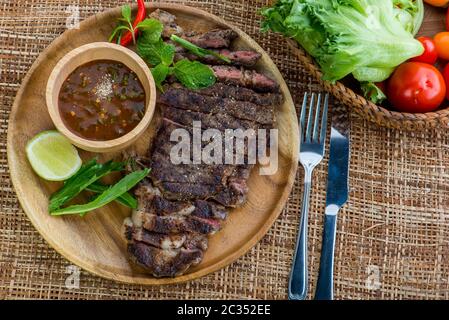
(127, 38)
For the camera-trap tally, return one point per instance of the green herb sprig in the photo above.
(109, 195)
(87, 179)
(88, 174)
(125, 199)
(125, 24)
(198, 51)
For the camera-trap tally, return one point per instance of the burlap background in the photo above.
(392, 236)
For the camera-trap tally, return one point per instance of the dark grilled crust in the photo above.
(159, 240)
(162, 207)
(245, 58)
(223, 90)
(206, 209)
(163, 263)
(155, 204)
(217, 38)
(208, 120)
(179, 224)
(188, 100)
(196, 241)
(187, 191)
(163, 171)
(235, 193)
(224, 183)
(245, 78)
(169, 22)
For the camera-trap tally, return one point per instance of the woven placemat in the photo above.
(393, 235)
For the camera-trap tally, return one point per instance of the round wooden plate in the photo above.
(95, 242)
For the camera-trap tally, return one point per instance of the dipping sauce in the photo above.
(102, 100)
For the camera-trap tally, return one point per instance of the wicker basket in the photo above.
(367, 109)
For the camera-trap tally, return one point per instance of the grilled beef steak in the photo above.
(180, 205)
(164, 263)
(222, 90)
(169, 22)
(245, 78)
(194, 101)
(213, 39)
(245, 58)
(159, 240)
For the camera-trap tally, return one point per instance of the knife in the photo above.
(337, 195)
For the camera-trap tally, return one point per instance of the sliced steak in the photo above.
(245, 78)
(189, 182)
(180, 205)
(245, 58)
(162, 170)
(208, 210)
(162, 207)
(169, 22)
(150, 201)
(222, 90)
(217, 38)
(158, 205)
(188, 100)
(178, 223)
(188, 191)
(196, 241)
(208, 120)
(163, 263)
(164, 241)
(160, 240)
(237, 188)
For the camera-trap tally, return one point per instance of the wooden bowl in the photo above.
(382, 115)
(100, 51)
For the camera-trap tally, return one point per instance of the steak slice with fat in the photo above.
(245, 78)
(163, 263)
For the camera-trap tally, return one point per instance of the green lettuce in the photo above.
(365, 38)
(410, 14)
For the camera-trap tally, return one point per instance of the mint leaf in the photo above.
(160, 73)
(156, 53)
(126, 12)
(193, 74)
(151, 30)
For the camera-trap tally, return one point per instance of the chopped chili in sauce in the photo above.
(102, 100)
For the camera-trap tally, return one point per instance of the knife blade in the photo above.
(336, 196)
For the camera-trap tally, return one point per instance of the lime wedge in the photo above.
(52, 156)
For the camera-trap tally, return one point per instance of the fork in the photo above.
(311, 152)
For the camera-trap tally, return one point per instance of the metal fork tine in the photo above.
(316, 126)
(302, 117)
(309, 120)
(324, 120)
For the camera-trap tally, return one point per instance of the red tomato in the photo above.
(446, 78)
(416, 87)
(430, 54)
(442, 43)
